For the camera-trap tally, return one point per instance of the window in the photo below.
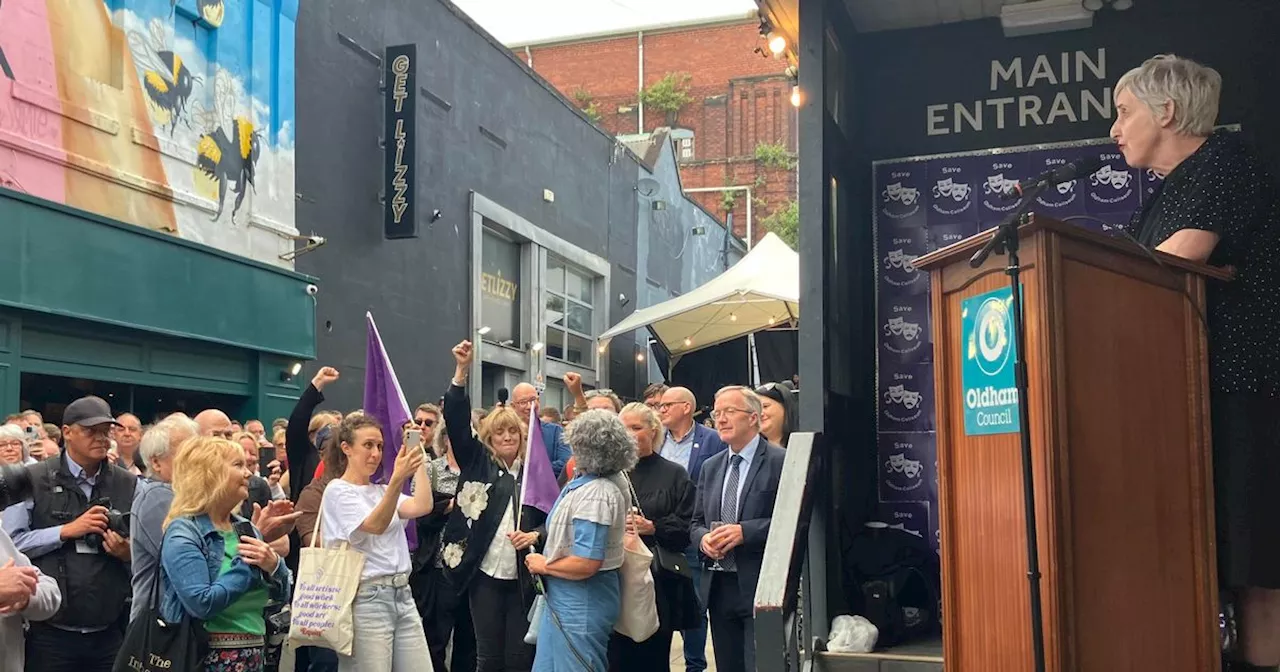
(500, 289)
(569, 315)
(686, 149)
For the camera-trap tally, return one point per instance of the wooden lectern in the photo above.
(1119, 416)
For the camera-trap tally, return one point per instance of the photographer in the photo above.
(73, 531)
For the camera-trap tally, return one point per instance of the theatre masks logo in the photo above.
(902, 404)
(898, 201)
(907, 335)
(1111, 185)
(997, 187)
(947, 189)
(902, 473)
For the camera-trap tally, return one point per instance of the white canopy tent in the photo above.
(762, 291)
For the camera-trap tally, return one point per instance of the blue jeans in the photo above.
(695, 640)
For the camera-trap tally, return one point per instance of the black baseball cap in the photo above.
(88, 412)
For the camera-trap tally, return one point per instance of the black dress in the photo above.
(666, 496)
(1225, 189)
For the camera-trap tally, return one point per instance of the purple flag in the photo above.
(540, 487)
(384, 400)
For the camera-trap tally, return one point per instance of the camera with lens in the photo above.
(15, 484)
(117, 522)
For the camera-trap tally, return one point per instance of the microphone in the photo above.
(503, 395)
(1052, 178)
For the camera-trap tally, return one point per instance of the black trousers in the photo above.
(500, 622)
(651, 655)
(52, 650)
(449, 614)
(733, 629)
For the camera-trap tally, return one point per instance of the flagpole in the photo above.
(524, 466)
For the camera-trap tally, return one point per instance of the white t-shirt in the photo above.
(344, 507)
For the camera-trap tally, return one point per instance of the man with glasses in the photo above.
(524, 398)
(689, 444)
(731, 516)
(653, 395)
(427, 419)
(64, 529)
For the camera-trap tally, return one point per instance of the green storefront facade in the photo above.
(84, 298)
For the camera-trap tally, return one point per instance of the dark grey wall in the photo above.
(419, 290)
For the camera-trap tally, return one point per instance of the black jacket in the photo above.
(481, 469)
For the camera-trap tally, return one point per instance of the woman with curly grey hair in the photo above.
(583, 550)
(1219, 205)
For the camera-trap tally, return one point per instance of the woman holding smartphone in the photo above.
(372, 519)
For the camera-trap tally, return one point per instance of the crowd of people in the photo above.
(200, 519)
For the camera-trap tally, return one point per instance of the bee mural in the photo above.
(227, 152)
(212, 11)
(165, 78)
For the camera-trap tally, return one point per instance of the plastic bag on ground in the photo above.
(852, 634)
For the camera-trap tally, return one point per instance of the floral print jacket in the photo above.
(484, 488)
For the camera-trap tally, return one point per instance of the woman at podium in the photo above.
(1219, 205)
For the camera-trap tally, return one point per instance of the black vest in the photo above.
(95, 586)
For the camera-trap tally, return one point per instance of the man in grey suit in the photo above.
(736, 492)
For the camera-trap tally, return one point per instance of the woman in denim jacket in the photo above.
(214, 565)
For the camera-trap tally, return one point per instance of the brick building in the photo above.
(737, 128)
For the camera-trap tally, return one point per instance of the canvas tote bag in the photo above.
(638, 617)
(326, 586)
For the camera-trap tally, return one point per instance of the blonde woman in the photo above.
(214, 565)
(372, 519)
(483, 544)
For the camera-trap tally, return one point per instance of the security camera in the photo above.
(622, 299)
(435, 215)
(312, 290)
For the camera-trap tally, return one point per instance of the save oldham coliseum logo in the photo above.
(902, 473)
(900, 403)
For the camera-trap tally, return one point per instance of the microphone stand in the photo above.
(1005, 241)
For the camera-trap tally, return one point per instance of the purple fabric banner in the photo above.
(942, 235)
(540, 488)
(908, 467)
(384, 400)
(906, 397)
(905, 334)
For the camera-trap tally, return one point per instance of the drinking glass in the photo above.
(716, 566)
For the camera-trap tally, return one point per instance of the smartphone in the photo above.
(243, 528)
(413, 440)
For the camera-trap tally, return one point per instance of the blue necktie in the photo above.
(729, 505)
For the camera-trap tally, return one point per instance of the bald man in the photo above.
(277, 517)
(213, 422)
(524, 399)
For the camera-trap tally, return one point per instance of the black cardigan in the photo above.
(304, 458)
(478, 465)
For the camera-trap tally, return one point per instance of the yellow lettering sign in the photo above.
(498, 286)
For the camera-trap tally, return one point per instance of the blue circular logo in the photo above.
(993, 331)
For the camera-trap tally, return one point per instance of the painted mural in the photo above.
(173, 115)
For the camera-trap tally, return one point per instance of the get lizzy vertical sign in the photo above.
(399, 138)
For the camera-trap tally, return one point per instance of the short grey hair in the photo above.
(15, 433)
(158, 440)
(607, 394)
(1194, 90)
(601, 444)
(749, 396)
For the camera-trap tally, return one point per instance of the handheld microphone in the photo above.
(1051, 178)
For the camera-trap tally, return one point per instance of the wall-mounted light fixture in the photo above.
(313, 242)
(483, 331)
(537, 347)
(289, 373)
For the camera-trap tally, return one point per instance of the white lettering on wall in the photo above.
(1026, 109)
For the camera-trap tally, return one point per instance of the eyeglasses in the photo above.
(222, 433)
(722, 412)
(11, 443)
(668, 404)
(425, 422)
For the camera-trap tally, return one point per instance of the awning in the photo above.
(762, 291)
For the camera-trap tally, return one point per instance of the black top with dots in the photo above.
(1224, 188)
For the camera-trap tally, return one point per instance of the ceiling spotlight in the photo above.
(777, 44)
(795, 96)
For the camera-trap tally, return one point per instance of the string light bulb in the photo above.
(777, 44)
(639, 356)
(688, 342)
(733, 317)
(770, 320)
(795, 96)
